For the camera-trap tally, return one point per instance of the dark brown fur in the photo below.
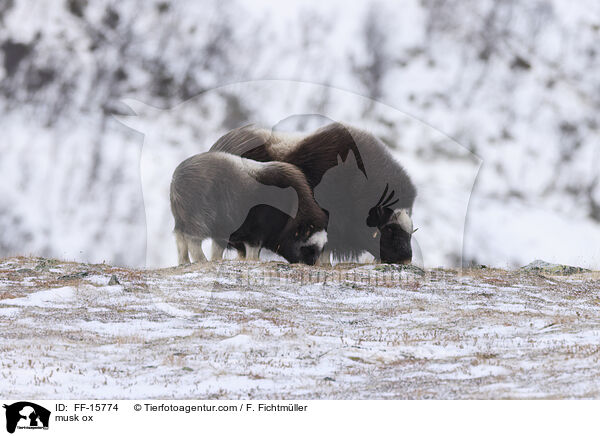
(350, 196)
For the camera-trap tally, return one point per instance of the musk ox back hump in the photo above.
(320, 151)
(347, 168)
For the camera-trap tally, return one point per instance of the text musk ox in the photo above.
(367, 194)
(245, 203)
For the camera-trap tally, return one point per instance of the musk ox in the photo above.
(246, 204)
(367, 195)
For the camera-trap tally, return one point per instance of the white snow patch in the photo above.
(98, 279)
(9, 312)
(172, 310)
(146, 329)
(58, 298)
(487, 370)
(238, 342)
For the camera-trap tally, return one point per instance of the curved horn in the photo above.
(383, 195)
(392, 203)
(389, 197)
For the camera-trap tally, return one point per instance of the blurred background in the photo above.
(492, 107)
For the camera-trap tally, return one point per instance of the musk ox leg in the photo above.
(325, 258)
(252, 253)
(196, 252)
(216, 251)
(240, 248)
(182, 248)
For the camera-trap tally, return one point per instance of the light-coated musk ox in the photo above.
(366, 193)
(245, 204)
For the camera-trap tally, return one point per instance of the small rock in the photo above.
(520, 63)
(393, 267)
(270, 309)
(541, 266)
(113, 281)
(45, 264)
(74, 276)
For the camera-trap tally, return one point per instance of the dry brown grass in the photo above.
(352, 331)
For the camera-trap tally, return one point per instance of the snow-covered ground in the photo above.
(271, 330)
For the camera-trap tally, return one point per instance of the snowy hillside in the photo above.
(499, 96)
(229, 330)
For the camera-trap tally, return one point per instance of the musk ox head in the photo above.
(395, 227)
(303, 241)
